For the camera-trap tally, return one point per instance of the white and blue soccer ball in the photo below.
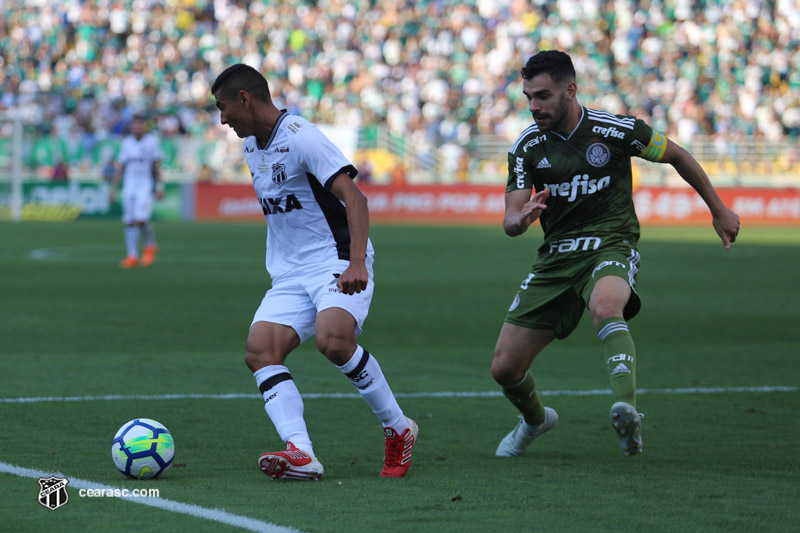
(143, 449)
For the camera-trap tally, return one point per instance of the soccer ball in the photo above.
(142, 449)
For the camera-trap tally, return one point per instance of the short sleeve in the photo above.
(319, 156)
(647, 143)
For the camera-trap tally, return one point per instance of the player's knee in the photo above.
(605, 308)
(503, 372)
(256, 360)
(253, 361)
(337, 349)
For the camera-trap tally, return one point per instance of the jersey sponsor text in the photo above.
(520, 173)
(580, 182)
(534, 142)
(271, 206)
(610, 131)
(580, 243)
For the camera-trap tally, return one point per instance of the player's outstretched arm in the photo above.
(724, 219)
(522, 210)
(355, 277)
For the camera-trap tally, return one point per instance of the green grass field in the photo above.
(719, 454)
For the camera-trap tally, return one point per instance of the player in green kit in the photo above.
(571, 169)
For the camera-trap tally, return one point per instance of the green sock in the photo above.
(620, 354)
(523, 396)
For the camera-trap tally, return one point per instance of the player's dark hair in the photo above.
(241, 77)
(556, 63)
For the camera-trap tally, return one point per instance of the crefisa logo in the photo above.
(53, 492)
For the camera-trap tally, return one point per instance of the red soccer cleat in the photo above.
(129, 262)
(149, 255)
(398, 450)
(292, 463)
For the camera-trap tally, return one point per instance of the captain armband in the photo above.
(656, 148)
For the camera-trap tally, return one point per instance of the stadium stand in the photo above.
(431, 85)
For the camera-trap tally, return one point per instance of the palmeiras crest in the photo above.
(278, 173)
(598, 155)
(53, 493)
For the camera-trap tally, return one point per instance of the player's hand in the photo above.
(159, 194)
(726, 224)
(533, 208)
(112, 195)
(354, 279)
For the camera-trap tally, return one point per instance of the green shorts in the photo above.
(555, 294)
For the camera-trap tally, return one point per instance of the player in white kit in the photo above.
(139, 168)
(320, 258)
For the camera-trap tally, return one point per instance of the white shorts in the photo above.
(295, 299)
(137, 205)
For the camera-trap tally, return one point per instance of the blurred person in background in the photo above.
(139, 169)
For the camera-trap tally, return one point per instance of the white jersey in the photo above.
(137, 157)
(292, 176)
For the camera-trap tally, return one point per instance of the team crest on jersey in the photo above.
(598, 155)
(278, 173)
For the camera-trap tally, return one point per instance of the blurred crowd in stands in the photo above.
(439, 71)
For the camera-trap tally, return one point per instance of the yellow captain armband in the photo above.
(655, 149)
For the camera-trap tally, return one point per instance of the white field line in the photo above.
(444, 394)
(217, 515)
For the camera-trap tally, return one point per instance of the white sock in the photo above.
(284, 405)
(148, 233)
(132, 241)
(365, 373)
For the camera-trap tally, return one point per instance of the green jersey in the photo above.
(589, 176)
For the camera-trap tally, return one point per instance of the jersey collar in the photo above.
(578, 125)
(283, 115)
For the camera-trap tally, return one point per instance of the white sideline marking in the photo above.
(217, 515)
(338, 395)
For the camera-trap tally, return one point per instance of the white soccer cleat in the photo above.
(291, 463)
(626, 421)
(516, 442)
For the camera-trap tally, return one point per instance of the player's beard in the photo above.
(556, 118)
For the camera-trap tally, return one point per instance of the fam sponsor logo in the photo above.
(638, 145)
(580, 184)
(605, 264)
(620, 357)
(571, 245)
(534, 142)
(610, 131)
